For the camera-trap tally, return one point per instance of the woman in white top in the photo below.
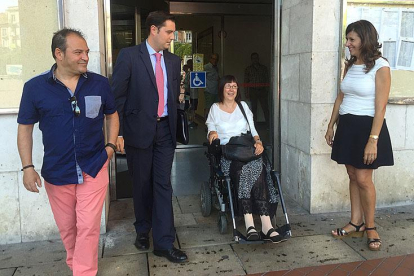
(255, 190)
(362, 140)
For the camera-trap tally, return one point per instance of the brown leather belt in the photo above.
(160, 119)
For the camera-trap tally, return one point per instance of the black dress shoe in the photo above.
(142, 241)
(173, 255)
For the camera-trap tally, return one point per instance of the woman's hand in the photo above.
(370, 152)
(259, 147)
(329, 136)
(212, 136)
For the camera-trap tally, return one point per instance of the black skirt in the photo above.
(351, 138)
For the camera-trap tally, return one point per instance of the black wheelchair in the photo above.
(218, 192)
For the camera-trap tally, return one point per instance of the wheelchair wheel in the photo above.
(205, 194)
(222, 223)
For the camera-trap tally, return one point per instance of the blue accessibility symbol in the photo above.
(197, 79)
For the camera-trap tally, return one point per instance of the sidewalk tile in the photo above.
(189, 203)
(121, 209)
(7, 271)
(304, 269)
(271, 273)
(52, 269)
(371, 265)
(210, 260)
(396, 241)
(402, 271)
(359, 273)
(350, 266)
(295, 273)
(338, 272)
(327, 268)
(202, 235)
(276, 273)
(381, 272)
(184, 219)
(390, 264)
(295, 253)
(315, 273)
(31, 253)
(408, 262)
(123, 265)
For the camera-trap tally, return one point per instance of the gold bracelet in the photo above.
(375, 137)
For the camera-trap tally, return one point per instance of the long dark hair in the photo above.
(369, 44)
(222, 82)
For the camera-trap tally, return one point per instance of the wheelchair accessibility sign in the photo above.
(197, 79)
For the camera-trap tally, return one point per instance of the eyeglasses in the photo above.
(75, 107)
(231, 86)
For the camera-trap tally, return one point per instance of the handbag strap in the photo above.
(244, 114)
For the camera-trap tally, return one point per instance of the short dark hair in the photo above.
(254, 54)
(157, 18)
(59, 39)
(369, 43)
(222, 82)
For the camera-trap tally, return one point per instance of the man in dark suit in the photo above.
(146, 85)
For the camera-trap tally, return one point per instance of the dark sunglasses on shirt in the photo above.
(75, 107)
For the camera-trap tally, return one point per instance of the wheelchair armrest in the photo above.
(214, 148)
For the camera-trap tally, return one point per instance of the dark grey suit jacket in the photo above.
(136, 96)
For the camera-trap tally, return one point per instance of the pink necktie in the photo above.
(159, 76)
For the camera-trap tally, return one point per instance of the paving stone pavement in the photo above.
(310, 251)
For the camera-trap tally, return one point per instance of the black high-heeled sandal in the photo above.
(371, 240)
(252, 236)
(341, 233)
(274, 239)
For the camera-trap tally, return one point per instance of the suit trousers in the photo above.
(150, 169)
(77, 210)
(260, 95)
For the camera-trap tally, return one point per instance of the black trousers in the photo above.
(260, 95)
(150, 169)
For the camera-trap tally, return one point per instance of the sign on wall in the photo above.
(198, 62)
(197, 79)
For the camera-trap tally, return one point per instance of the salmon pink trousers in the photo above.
(77, 210)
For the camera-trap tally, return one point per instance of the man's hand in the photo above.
(31, 180)
(120, 144)
(110, 152)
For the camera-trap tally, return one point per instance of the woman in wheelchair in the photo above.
(256, 193)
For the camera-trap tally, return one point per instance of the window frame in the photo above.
(402, 6)
(61, 24)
